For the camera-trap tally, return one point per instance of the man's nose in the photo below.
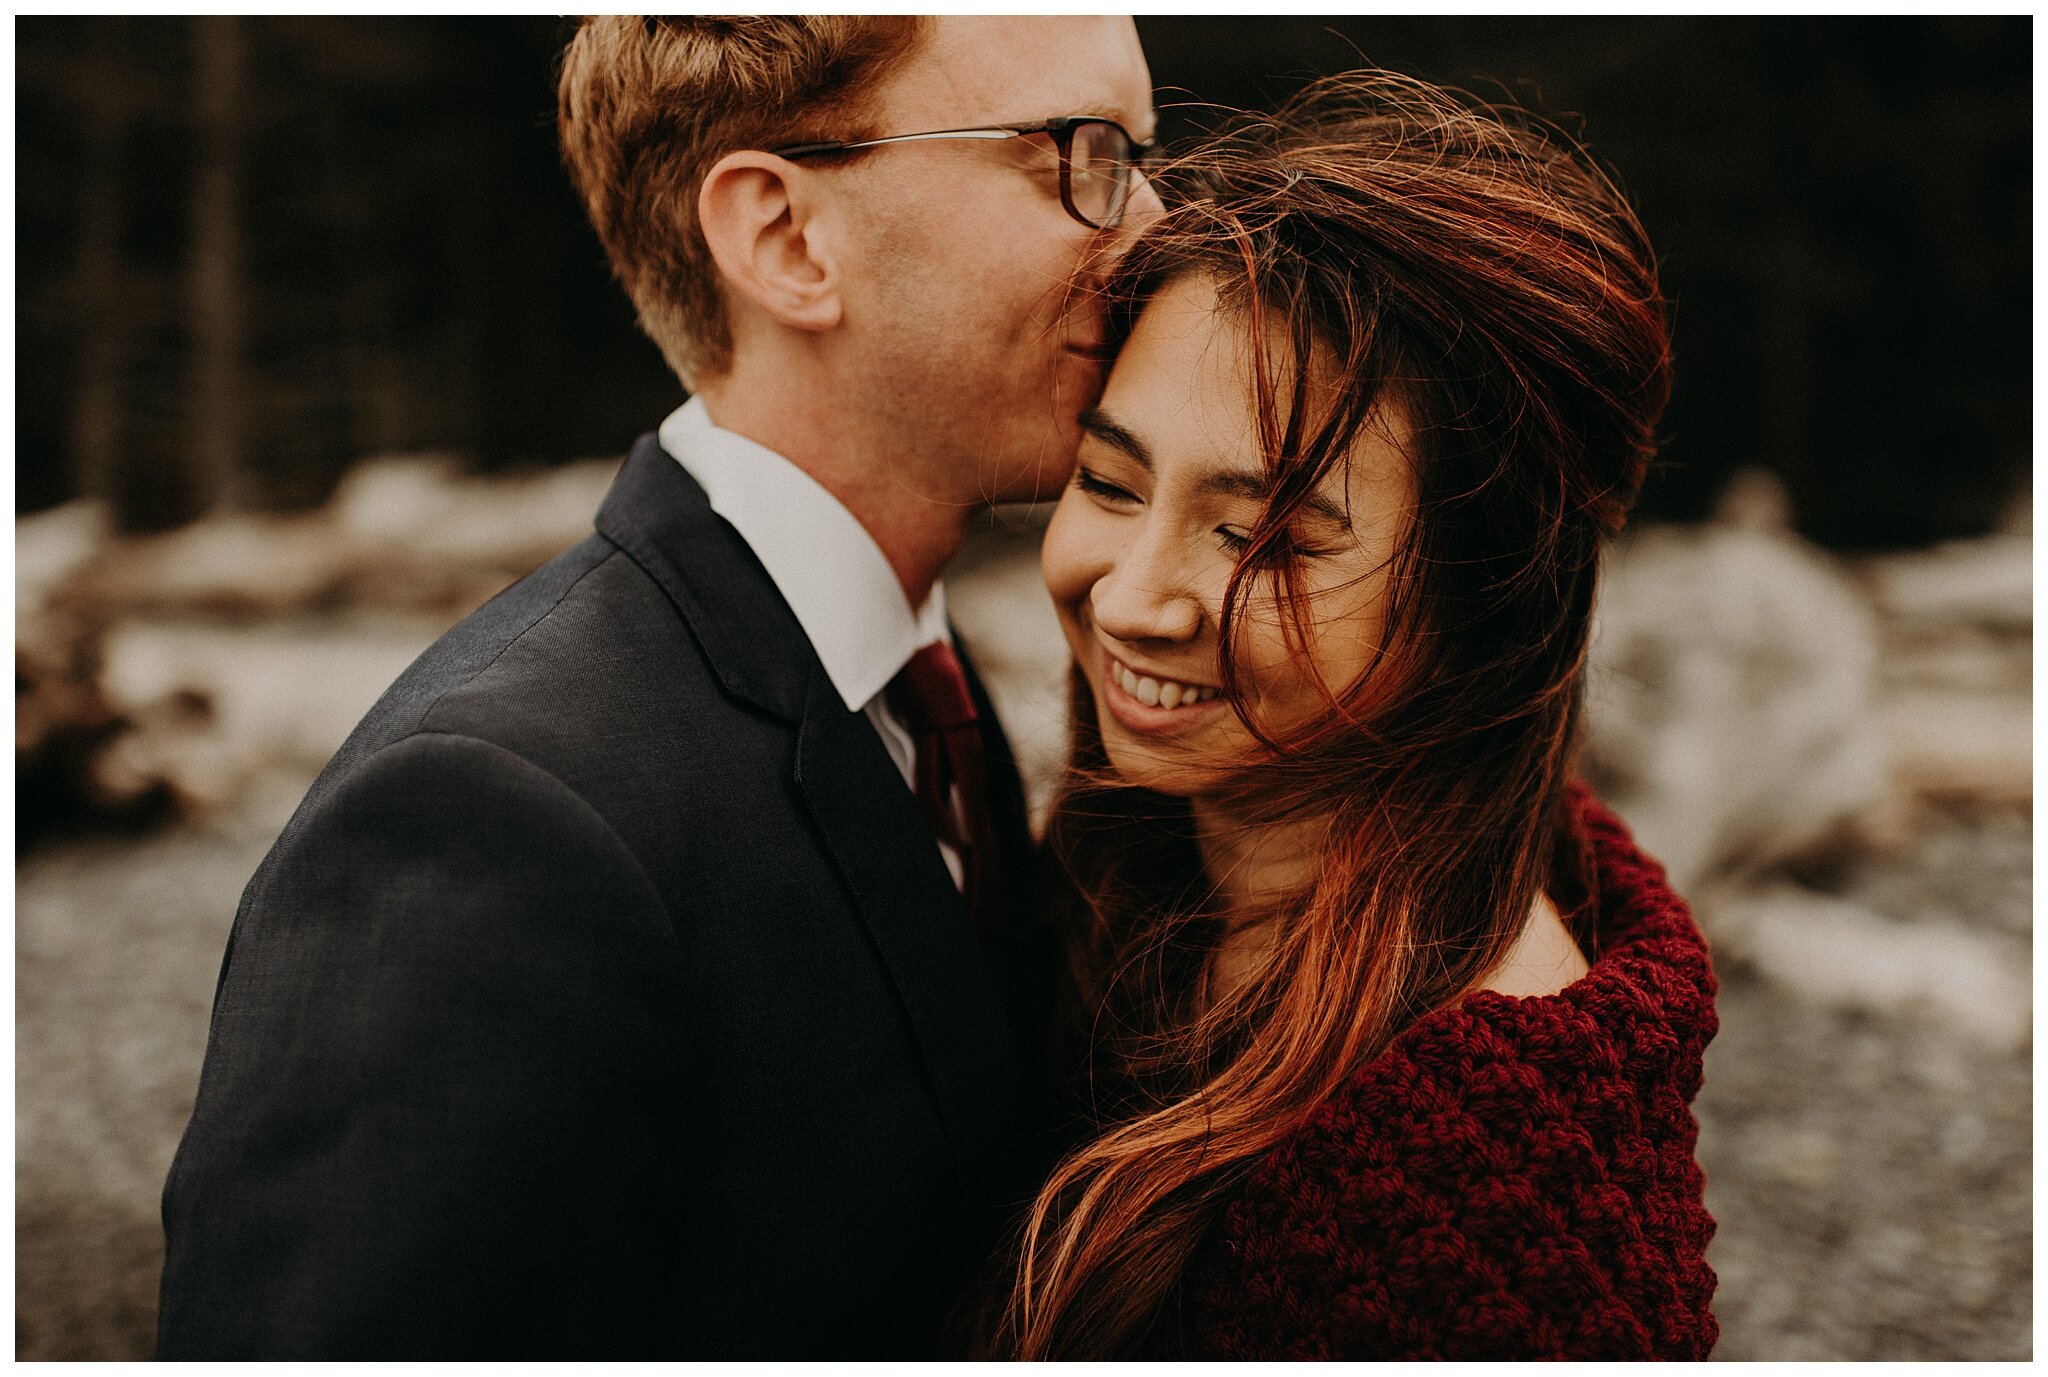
(1144, 203)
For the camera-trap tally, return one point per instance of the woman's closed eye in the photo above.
(1284, 544)
(1102, 490)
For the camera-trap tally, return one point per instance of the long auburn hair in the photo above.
(1475, 268)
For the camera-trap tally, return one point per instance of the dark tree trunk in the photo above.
(102, 320)
(215, 284)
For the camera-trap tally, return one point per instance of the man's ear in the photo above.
(759, 222)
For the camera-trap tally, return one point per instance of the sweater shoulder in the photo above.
(1510, 1178)
(1631, 1032)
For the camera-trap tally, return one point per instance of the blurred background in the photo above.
(315, 352)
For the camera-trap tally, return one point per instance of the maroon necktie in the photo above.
(929, 696)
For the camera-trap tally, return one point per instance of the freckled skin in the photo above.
(975, 287)
(1137, 562)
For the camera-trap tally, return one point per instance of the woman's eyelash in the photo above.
(1281, 546)
(1235, 542)
(1096, 487)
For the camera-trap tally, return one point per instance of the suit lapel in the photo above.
(1024, 945)
(882, 848)
(1007, 805)
(866, 816)
(658, 515)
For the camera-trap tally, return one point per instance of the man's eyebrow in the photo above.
(1113, 433)
(1142, 125)
(1136, 123)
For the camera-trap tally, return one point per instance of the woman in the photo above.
(1391, 1032)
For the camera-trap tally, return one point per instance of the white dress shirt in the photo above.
(826, 566)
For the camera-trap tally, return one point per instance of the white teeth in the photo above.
(1159, 693)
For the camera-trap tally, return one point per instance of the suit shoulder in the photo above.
(446, 802)
(439, 841)
(590, 621)
(587, 673)
(475, 643)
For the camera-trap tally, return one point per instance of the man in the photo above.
(643, 977)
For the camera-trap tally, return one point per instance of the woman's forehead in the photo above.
(1183, 387)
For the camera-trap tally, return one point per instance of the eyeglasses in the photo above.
(1099, 161)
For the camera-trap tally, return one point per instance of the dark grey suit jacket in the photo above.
(607, 997)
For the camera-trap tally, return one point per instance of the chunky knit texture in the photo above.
(1512, 1178)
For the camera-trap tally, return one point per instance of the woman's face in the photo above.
(1169, 484)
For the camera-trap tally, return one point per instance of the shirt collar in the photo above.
(823, 561)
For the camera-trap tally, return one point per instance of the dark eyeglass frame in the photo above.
(1062, 129)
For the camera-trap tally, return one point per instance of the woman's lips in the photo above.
(1125, 690)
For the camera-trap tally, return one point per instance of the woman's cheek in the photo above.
(1067, 557)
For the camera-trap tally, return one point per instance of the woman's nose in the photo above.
(1145, 598)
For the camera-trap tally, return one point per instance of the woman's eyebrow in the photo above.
(1254, 485)
(1117, 436)
(1248, 483)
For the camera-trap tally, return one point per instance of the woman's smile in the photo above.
(1150, 703)
(1140, 555)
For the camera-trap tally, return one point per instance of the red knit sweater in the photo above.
(1512, 1178)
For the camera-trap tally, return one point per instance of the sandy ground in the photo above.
(1872, 1176)
(1868, 1159)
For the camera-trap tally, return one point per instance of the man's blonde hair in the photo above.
(647, 105)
